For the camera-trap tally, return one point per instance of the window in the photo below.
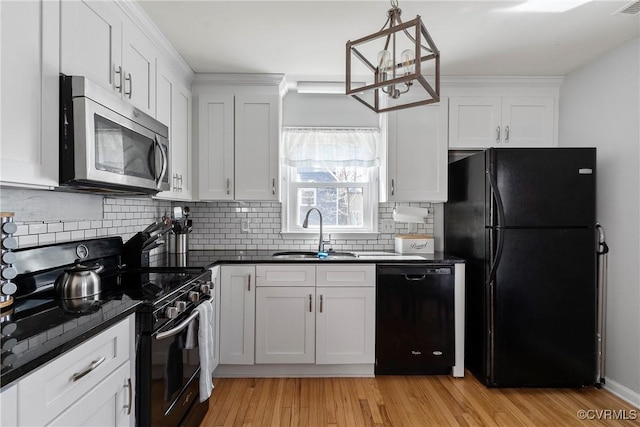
(334, 170)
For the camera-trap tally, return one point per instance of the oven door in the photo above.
(112, 149)
(175, 371)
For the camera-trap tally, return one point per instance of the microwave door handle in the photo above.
(164, 162)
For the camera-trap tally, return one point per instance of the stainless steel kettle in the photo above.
(79, 281)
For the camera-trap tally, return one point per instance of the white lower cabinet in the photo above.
(285, 324)
(105, 405)
(237, 314)
(91, 384)
(300, 322)
(345, 325)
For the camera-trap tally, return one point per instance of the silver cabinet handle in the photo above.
(94, 365)
(128, 79)
(320, 303)
(393, 187)
(129, 405)
(118, 78)
(498, 135)
(273, 186)
(228, 186)
(310, 308)
(180, 183)
(249, 283)
(506, 134)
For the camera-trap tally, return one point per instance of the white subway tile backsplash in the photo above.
(217, 225)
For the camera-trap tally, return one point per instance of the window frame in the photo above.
(290, 187)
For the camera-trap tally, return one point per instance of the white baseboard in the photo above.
(623, 392)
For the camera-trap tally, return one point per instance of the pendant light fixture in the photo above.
(401, 60)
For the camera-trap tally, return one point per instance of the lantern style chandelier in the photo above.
(401, 60)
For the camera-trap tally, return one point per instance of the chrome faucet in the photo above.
(305, 224)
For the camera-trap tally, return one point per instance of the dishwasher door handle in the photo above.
(415, 278)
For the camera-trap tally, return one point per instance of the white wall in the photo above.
(600, 107)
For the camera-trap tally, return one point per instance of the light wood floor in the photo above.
(407, 401)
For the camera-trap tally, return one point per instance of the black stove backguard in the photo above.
(39, 267)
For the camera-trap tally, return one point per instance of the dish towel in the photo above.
(205, 344)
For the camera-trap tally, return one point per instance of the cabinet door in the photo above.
(173, 108)
(91, 41)
(345, 325)
(215, 318)
(9, 406)
(475, 122)
(108, 404)
(256, 147)
(164, 114)
(285, 324)
(29, 50)
(215, 147)
(181, 143)
(528, 121)
(138, 68)
(418, 154)
(237, 314)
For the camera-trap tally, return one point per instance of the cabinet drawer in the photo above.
(346, 275)
(51, 389)
(285, 275)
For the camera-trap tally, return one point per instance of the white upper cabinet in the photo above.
(417, 154)
(29, 52)
(99, 42)
(238, 140)
(257, 133)
(215, 147)
(173, 108)
(478, 122)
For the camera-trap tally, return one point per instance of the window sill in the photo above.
(334, 236)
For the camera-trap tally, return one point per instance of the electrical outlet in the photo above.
(388, 226)
(413, 228)
(245, 225)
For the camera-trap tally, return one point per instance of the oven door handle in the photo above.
(174, 331)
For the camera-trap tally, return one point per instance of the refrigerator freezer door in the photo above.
(544, 309)
(544, 187)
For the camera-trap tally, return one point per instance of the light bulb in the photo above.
(383, 59)
(407, 58)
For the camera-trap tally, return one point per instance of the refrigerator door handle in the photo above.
(496, 195)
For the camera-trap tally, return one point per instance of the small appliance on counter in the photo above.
(7, 261)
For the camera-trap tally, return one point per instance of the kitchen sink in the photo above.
(301, 255)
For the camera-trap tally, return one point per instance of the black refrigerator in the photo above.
(524, 220)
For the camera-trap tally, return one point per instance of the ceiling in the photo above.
(306, 39)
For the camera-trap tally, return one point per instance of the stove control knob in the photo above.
(181, 306)
(172, 312)
(205, 289)
(194, 296)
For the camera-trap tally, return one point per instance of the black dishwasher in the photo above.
(414, 319)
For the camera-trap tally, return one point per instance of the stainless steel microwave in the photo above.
(107, 145)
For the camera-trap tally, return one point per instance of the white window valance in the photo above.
(330, 147)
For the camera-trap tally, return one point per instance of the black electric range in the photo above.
(39, 326)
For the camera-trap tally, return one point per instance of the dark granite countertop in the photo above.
(209, 258)
(36, 335)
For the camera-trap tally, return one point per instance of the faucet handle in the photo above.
(326, 242)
